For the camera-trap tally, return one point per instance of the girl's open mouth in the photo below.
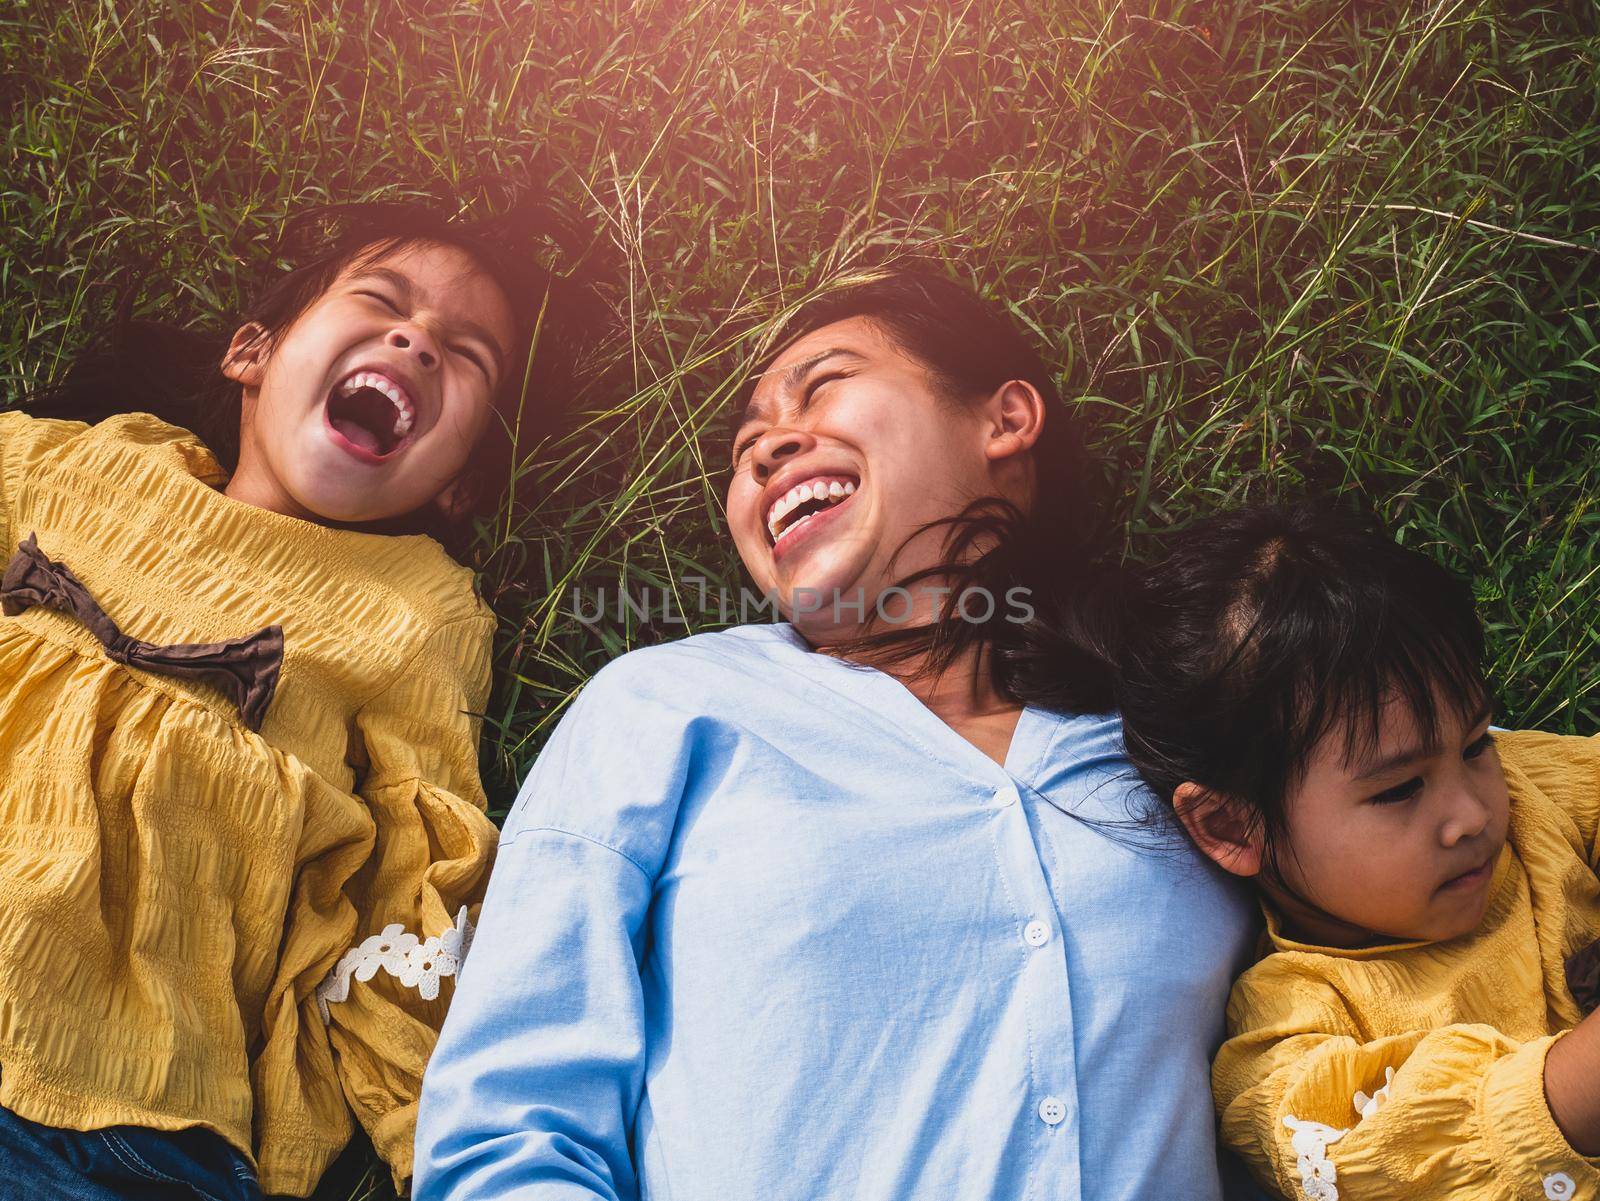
(370, 415)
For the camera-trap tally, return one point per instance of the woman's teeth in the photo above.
(405, 415)
(830, 492)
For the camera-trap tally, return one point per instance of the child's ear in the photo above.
(246, 359)
(455, 498)
(1221, 826)
(1015, 416)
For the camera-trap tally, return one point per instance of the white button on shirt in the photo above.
(1036, 934)
(743, 876)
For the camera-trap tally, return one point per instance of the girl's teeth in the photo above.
(835, 490)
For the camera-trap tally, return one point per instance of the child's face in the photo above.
(369, 405)
(847, 412)
(1399, 841)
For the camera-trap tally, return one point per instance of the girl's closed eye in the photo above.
(385, 301)
(1399, 793)
(1478, 746)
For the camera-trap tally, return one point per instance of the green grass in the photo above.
(1350, 245)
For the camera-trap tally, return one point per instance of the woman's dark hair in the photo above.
(1053, 552)
(175, 372)
(1269, 628)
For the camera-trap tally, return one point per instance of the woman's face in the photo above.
(369, 405)
(847, 448)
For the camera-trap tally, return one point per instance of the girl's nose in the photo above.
(412, 339)
(1468, 818)
(774, 447)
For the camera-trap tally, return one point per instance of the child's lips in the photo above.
(361, 453)
(1471, 879)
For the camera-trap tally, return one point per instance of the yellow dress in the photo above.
(202, 925)
(1416, 1070)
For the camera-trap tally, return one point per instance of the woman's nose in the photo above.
(775, 446)
(412, 339)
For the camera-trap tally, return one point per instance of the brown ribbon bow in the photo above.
(246, 669)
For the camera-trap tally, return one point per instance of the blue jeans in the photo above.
(119, 1163)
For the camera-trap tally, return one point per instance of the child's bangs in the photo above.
(1420, 665)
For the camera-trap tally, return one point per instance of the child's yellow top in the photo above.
(1417, 1069)
(182, 900)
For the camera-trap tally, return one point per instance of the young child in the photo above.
(1310, 699)
(241, 826)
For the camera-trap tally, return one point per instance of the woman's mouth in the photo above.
(370, 415)
(803, 505)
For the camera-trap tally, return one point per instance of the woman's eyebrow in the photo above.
(796, 374)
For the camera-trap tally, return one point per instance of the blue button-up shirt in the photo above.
(764, 928)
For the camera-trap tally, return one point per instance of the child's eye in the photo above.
(1399, 793)
(383, 300)
(472, 357)
(1477, 748)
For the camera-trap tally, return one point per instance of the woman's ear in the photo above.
(246, 359)
(1222, 827)
(1015, 415)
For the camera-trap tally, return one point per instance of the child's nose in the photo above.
(1468, 819)
(417, 342)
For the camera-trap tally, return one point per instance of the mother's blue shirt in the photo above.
(764, 928)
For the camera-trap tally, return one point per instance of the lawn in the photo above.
(1351, 246)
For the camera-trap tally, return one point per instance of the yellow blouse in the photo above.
(201, 925)
(1417, 1069)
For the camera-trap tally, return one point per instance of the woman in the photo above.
(823, 909)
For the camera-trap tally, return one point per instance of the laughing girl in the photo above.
(241, 826)
(807, 910)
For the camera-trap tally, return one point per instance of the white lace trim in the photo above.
(416, 964)
(1367, 1106)
(1310, 1141)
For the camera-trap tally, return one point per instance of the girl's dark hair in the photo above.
(175, 372)
(1269, 628)
(1054, 552)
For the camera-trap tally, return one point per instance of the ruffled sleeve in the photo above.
(24, 440)
(1322, 1113)
(401, 890)
(1565, 770)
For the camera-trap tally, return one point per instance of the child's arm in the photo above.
(398, 883)
(1322, 1112)
(1572, 1084)
(539, 1074)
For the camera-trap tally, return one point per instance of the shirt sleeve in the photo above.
(1319, 1112)
(1563, 769)
(540, 1069)
(23, 440)
(399, 886)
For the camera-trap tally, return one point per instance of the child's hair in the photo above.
(175, 372)
(1270, 628)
